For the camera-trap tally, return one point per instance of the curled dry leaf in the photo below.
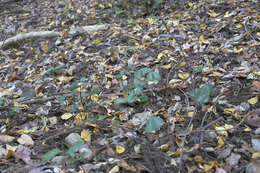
(253, 118)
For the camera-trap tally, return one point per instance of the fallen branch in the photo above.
(50, 34)
(31, 36)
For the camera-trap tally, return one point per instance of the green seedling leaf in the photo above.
(120, 101)
(94, 91)
(202, 94)
(74, 148)
(50, 70)
(102, 117)
(75, 107)
(127, 89)
(74, 86)
(115, 123)
(15, 111)
(1, 101)
(59, 67)
(141, 73)
(50, 155)
(44, 122)
(153, 77)
(139, 91)
(83, 79)
(91, 118)
(139, 84)
(153, 124)
(62, 99)
(200, 67)
(131, 97)
(54, 69)
(73, 159)
(120, 74)
(143, 100)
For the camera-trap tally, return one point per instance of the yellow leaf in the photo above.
(164, 147)
(238, 50)
(199, 159)
(109, 76)
(203, 26)
(256, 155)
(210, 165)
(202, 40)
(179, 141)
(190, 4)
(110, 5)
(213, 13)
(221, 131)
(147, 44)
(4, 92)
(81, 116)
(81, 107)
(184, 75)
(52, 23)
(124, 77)
(44, 47)
(79, 11)
(256, 73)
(160, 55)
(94, 98)
(253, 100)
(66, 116)
(125, 165)
(120, 149)
(101, 6)
(218, 74)
(115, 169)
(220, 142)
(228, 126)
(24, 131)
(247, 129)
(168, 66)
(174, 82)
(98, 41)
(147, 38)
(239, 26)
(233, 112)
(86, 135)
(64, 79)
(108, 85)
(19, 53)
(227, 14)
(183, 63)
(191, 113)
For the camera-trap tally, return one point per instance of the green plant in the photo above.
(71, 153)
(54, 69)
(143, 78)
(153, 124)
(201, 95)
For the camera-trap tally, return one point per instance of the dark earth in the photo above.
(191, 45)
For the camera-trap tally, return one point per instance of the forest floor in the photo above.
(129, 86)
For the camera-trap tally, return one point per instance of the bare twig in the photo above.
(187, 129)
